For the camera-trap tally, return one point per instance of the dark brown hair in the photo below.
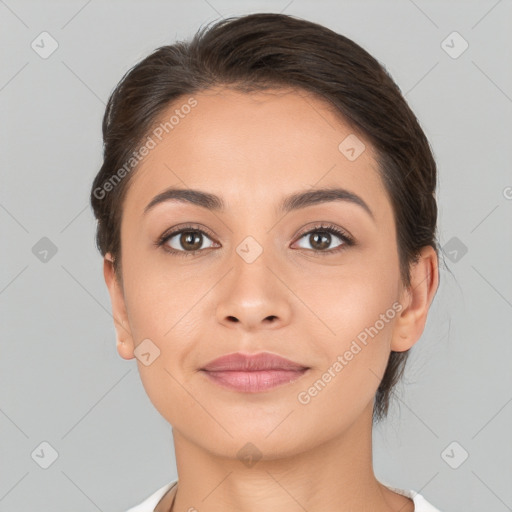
(267, 51)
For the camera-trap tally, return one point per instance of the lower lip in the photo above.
(254, 381)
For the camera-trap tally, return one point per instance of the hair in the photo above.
(270, 51)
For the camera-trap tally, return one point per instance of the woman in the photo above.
(267, 216)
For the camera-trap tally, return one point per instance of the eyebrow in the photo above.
(292, 202)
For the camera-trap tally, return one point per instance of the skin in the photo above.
(253, 149)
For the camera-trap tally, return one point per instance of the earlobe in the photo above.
(125, 345)
(125, 349)
(416, 300)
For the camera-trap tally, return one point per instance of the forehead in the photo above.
(267, 144)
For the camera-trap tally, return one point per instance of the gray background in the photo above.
(61, 379)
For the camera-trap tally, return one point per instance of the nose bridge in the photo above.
(251, 259)
(256, 250)
(253, 236)
(252, 293)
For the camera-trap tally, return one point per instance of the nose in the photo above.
(253, 297)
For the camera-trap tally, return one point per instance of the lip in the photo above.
(253, 373)
(238, 361)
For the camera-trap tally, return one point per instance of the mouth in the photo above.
(253, 373)
(254, 381)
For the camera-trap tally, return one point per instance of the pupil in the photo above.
(321, 245)
(187, 238)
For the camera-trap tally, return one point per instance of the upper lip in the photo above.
(238, 361)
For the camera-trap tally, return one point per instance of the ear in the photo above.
(125, 345)
(416, 300)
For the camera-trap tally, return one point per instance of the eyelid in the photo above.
(320, 226)
(186, 226)
(330, 228)
(347, 239)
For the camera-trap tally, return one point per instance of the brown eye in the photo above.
(188, 241)
(191, 240)
(184, 241)
(320, 241)
(321, 237)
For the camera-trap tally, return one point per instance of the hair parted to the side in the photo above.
(269, 51)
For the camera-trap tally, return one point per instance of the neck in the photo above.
(336, 475)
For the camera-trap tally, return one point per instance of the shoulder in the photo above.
(149, 504)
(420, 503)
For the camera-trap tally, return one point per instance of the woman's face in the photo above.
(263, 278)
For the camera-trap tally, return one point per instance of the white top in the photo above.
(149, 504)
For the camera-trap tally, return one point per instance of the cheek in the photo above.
(162, 311)
(166, 308)
(355, 307)
(355, 356)
(156, 298)
(344, 300)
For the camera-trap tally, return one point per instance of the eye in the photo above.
(189, 240)
(186, 241)
(320, 238)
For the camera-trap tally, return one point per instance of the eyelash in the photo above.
(321, 227)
